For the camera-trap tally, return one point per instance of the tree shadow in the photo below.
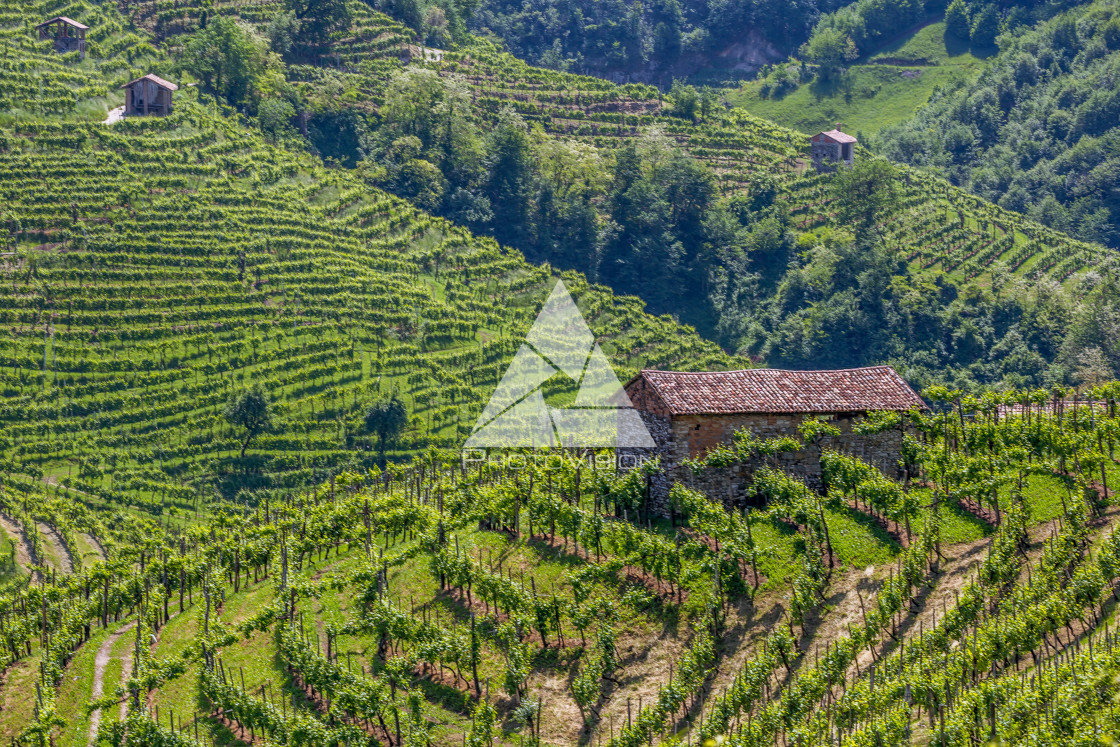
(822, 88)
(955, 46)
(984, 52)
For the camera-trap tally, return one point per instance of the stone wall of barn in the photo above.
(658, 421)
(682, 437)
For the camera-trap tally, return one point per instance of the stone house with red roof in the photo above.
(829, 149)
(688, 413)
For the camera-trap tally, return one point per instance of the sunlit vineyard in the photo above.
(443, 602)
(155, 266)
(164, 581)
(939, 227)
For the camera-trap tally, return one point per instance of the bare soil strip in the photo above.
(64, 564)
(100, 662)
(126, 672)
(23, 547)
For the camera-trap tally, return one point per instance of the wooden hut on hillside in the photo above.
(68, 35)
(148, 95)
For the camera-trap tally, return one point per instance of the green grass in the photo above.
(1044, 495)
(780, 543)
(870, 95)
(17, 700)
(9, 568)
(857, 540)
(76, 691)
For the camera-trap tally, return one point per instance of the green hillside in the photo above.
(168, 579)
(1037, 131)
(878, 90)
(168, 262)
(712, 217)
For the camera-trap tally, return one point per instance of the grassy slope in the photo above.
(872, 94)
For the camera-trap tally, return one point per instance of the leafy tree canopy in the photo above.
(386, 418)
(251, 411)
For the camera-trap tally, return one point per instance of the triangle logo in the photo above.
(559, 341)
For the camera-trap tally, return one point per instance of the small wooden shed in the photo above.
(68, 35)
(148, 95)
(828, 149)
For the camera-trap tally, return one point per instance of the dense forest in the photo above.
(653, 38)
(1038, 132)
(649, 40)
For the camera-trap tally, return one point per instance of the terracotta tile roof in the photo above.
(769, 390)
(840, 137)
(67, 21)
(155, 79)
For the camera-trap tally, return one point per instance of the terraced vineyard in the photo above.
(439, 603)
(164, 581)
(945, 228)
(168, 263)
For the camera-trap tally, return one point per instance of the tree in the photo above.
(412, 101)
(510, 167)
(251, 411)
(985, 27)
(439, 28)
(1111, 34)
(407, 12)
(830, 49)
(686, 100)
(319, 18)
(422, 183)
(864, 191)
(957, 24)
(386, 418)
(667, 35)
(275, 117)
(226, 58)
(283, 30)
(1093, 367)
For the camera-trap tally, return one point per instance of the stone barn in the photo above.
(67, 34)
(829, 149)
(148, 95)
(687, 413)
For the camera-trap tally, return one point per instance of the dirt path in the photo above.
(64, 563)
(644, 665)
(100, 662)
(23, 547)
(932, 600)
(843, 609)
(746, 627)
(126, 672)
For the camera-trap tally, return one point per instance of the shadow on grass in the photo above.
(955, 46)
(871, 525)
(967, 517)
(823, 88)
